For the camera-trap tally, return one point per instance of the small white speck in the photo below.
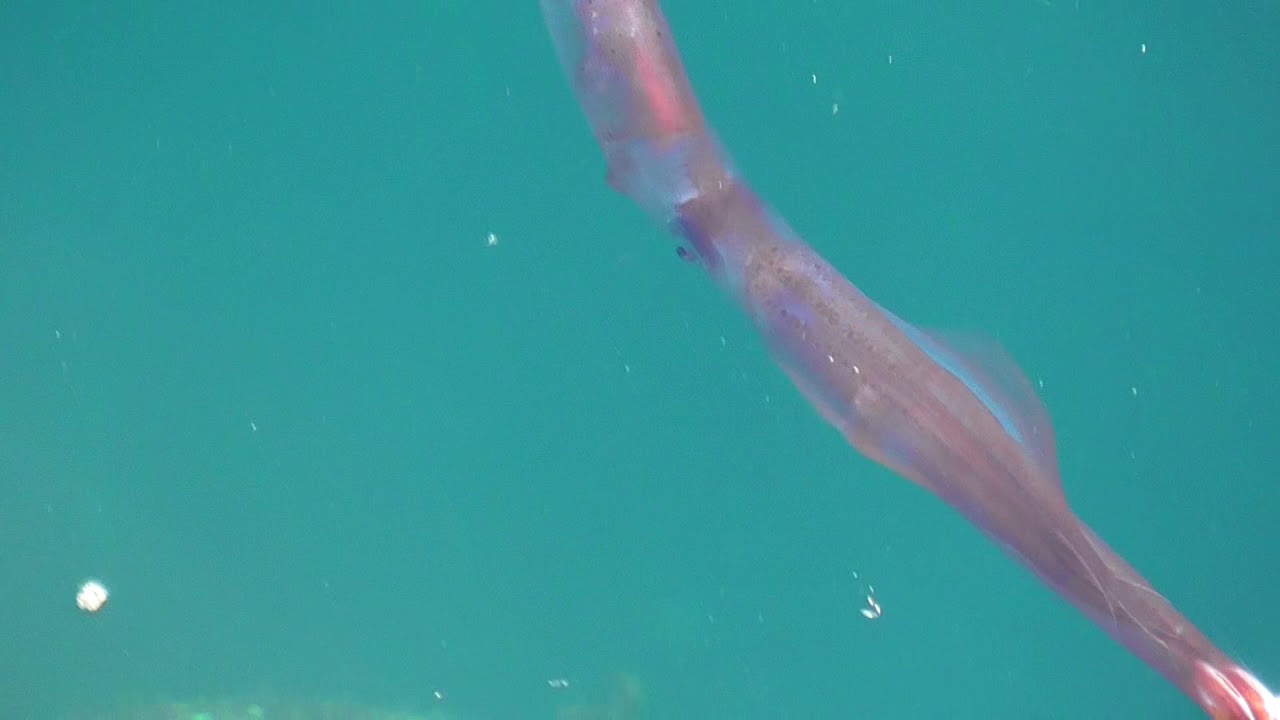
(91, 596)
(831, 358)
(1143, 47)
(253, 426)
(890, 59)
(558, 683)
(814, 78)
(491, 239)
(438, 695)
(57, 334)
(835, 108)
(1134, 390)
(872, 609)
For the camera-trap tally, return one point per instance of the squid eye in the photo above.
(686, 254)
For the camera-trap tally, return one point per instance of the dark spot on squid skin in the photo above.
(683, 253)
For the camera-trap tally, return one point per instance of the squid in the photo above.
(954, 415)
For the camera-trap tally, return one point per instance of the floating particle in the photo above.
(872, 609)
(91, 596)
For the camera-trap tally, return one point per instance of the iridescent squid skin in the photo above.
(956, 417)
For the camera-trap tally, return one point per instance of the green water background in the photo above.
(263, 373)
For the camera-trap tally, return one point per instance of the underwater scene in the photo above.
(626, 359)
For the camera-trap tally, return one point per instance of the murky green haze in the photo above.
(324, 344)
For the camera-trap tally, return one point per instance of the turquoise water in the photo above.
(263, 371)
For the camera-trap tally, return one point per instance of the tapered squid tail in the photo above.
(1233, 693)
